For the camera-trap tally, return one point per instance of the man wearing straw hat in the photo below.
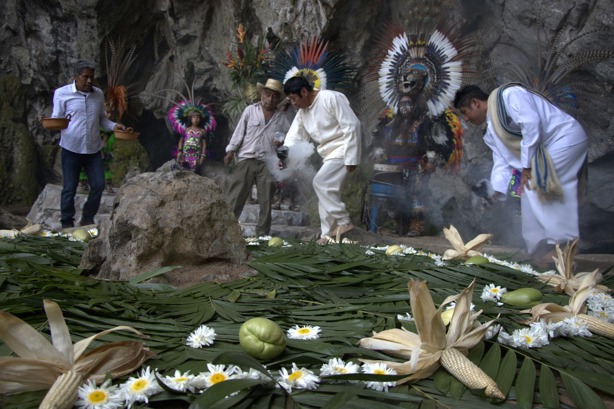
(251, 143)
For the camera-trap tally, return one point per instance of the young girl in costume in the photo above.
(192, 146)
(194, 122)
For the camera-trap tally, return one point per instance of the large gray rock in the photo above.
(165, 219)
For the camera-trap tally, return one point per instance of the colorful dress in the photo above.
(192, 148)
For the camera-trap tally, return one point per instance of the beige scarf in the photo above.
(544, 180)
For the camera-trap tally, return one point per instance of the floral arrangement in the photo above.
(246, 64)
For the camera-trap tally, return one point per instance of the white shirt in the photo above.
(253, 136)
(330, 122)
(87, 115)
(540, 122)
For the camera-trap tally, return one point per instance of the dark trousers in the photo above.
(72, 163)
(244, 175)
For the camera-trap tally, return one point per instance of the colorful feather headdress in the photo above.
(179, 116)
(425, 63)
(312, 58)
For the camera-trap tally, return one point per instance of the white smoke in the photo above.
(297, 163)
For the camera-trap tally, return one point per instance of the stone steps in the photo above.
(285, 223)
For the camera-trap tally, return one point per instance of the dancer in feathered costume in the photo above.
(194, 122)
(417, 76)
(322, 67)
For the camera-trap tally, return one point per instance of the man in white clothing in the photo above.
(527, 132)
(325, 117)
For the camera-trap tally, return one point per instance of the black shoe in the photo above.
(86, 222)
(67, 225)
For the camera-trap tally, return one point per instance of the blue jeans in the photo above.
(72, 163)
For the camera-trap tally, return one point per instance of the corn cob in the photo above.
(63, 392)
(469, 373)
(597, 326)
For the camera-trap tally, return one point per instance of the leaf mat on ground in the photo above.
(341, 289)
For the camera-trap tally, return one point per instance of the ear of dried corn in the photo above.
(469, 373)
(63, 393)
(597, 326)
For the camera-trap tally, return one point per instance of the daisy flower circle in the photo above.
(304, 332)
(301, 378)
(336, 366)
(139, 389)
(104, 396)
(378, 368)
(202, 336)
(216, 374)
(492, 292)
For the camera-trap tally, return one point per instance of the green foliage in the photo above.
(341, 289)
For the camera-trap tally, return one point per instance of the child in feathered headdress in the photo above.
(193, 122)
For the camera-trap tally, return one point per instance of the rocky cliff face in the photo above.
(179, 41)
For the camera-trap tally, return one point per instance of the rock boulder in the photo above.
(165, 219)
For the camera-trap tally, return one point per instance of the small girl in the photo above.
(194, 122)
(192, 146)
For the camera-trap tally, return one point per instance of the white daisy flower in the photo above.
(265, 238)
(336, 366)
(492, 331)
(573, 327)
(202, 336)
(534, 337)
(379, 368)
(304, 332)
(369, 253)
(492, 292)
(601, 305)
(251, 374)
(407, 317)
(104, 396)
(299, 378)
(551, 328)
(140, 388)
(216, 374)
(93, 232)
(179, 381)
(504, 338)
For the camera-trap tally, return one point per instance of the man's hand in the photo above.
(525, 179)
(119, 127)
(350, 168)
(229, 157)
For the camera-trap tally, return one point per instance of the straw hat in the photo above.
(271, 84)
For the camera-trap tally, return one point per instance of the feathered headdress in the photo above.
(118, 57)
(312, 58)
(179, 116)
(425, 63)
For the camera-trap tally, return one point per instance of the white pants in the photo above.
(557, 221)
(327, 185)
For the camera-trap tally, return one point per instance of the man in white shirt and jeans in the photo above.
(81, 142)
(325, 117)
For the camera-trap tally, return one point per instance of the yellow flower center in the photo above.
(528, 339)
(304, 331)
(295, 376)
(379, 372)
(139, 385)
(341, 369)
(494, 290)
(181, 379)
(97, 397)
(218, 377)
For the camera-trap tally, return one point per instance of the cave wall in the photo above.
(181, 42)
